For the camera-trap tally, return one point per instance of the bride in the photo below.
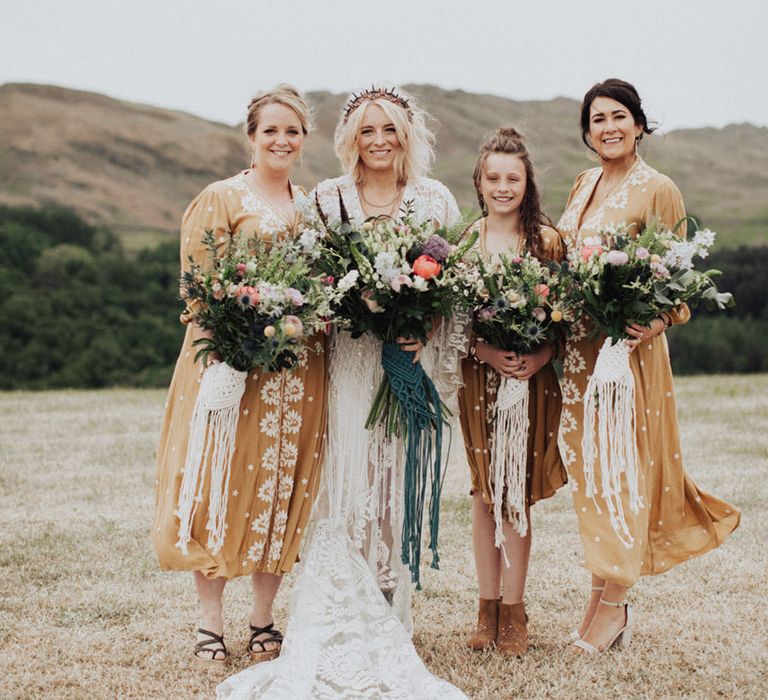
(349, 632)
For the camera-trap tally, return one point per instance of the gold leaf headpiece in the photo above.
(374, 93)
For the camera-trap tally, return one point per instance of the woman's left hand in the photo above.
(639, 334)
(411, 345)
(528, 365)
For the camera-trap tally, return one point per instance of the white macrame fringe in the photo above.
(610, 397)
(211, 436)
(509, 458)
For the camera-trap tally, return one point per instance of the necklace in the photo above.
(488, 257)
(389, 206)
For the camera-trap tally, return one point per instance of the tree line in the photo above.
(77, 311)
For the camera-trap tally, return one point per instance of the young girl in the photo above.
(512, 224)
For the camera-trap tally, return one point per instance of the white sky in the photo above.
(694, 62)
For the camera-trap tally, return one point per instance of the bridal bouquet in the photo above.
(620, 279)
(260, 305)
(397, 277)
(521, 305)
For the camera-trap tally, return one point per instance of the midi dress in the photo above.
(281, 428)
(477, 400)
(678, 521)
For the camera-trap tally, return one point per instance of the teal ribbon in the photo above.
(419, 415)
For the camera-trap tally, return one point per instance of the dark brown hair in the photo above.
(624, 93)
(507, 140)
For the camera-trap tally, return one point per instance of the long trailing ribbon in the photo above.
(509, 458)
(211, 441)
(419, 412)
(610, 399)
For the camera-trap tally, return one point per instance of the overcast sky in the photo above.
(695, 62)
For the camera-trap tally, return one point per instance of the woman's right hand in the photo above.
(505, 362)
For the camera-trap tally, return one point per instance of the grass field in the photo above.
(84, 612)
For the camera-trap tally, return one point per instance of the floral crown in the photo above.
(374, 93)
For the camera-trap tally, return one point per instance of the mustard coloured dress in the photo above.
(678, 521)
(280, 433)
(477, 400)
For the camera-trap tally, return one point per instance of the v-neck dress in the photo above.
(281, 426)
(477, 402)
(678, 520)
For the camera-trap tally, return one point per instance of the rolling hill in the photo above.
(135, 167)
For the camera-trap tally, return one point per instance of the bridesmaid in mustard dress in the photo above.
(678, 521)
(512, 223)
(276, 463)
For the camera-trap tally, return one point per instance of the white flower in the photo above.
(267, 490)
(399, 281)
(270, 424)
(348, 281)
(420, 284)
(291, 422)
(386, 265)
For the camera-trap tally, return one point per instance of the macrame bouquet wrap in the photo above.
(509, 457)
(211, 442)
(519, 308)
(419, 421)
(609, 420)
(260, 304)
(623, 277)
(398, 275)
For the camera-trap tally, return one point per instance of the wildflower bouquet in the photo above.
(521, 305)
(260, 306)
(397, 277)
(621, 279)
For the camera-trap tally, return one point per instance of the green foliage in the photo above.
(734, 341)
(76, 312)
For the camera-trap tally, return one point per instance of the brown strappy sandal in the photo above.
(206, 652)
(264, 654)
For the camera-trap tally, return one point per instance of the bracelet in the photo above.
(666, 320)
(473, 352)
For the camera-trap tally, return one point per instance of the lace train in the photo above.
(343, 639)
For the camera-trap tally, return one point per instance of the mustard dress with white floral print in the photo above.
(678, 521)
(281, 428)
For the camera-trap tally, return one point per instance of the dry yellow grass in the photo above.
(84, 612)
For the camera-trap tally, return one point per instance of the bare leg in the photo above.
(264, 591)
(518, 551)
(607, 620)
(487, 556)
(210, 592)
(594, 600)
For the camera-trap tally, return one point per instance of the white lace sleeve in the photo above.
(450, 343)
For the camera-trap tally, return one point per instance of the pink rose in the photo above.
(588, 250)
(542, 290)
(539, 314)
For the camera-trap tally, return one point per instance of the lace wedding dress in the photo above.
(349, 630)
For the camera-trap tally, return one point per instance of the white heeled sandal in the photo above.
(622, 637)
(575, 636)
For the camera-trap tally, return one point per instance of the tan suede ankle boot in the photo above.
(487, 622)
(512, 636)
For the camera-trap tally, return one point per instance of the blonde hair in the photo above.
(416, 140)
(282, 94)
